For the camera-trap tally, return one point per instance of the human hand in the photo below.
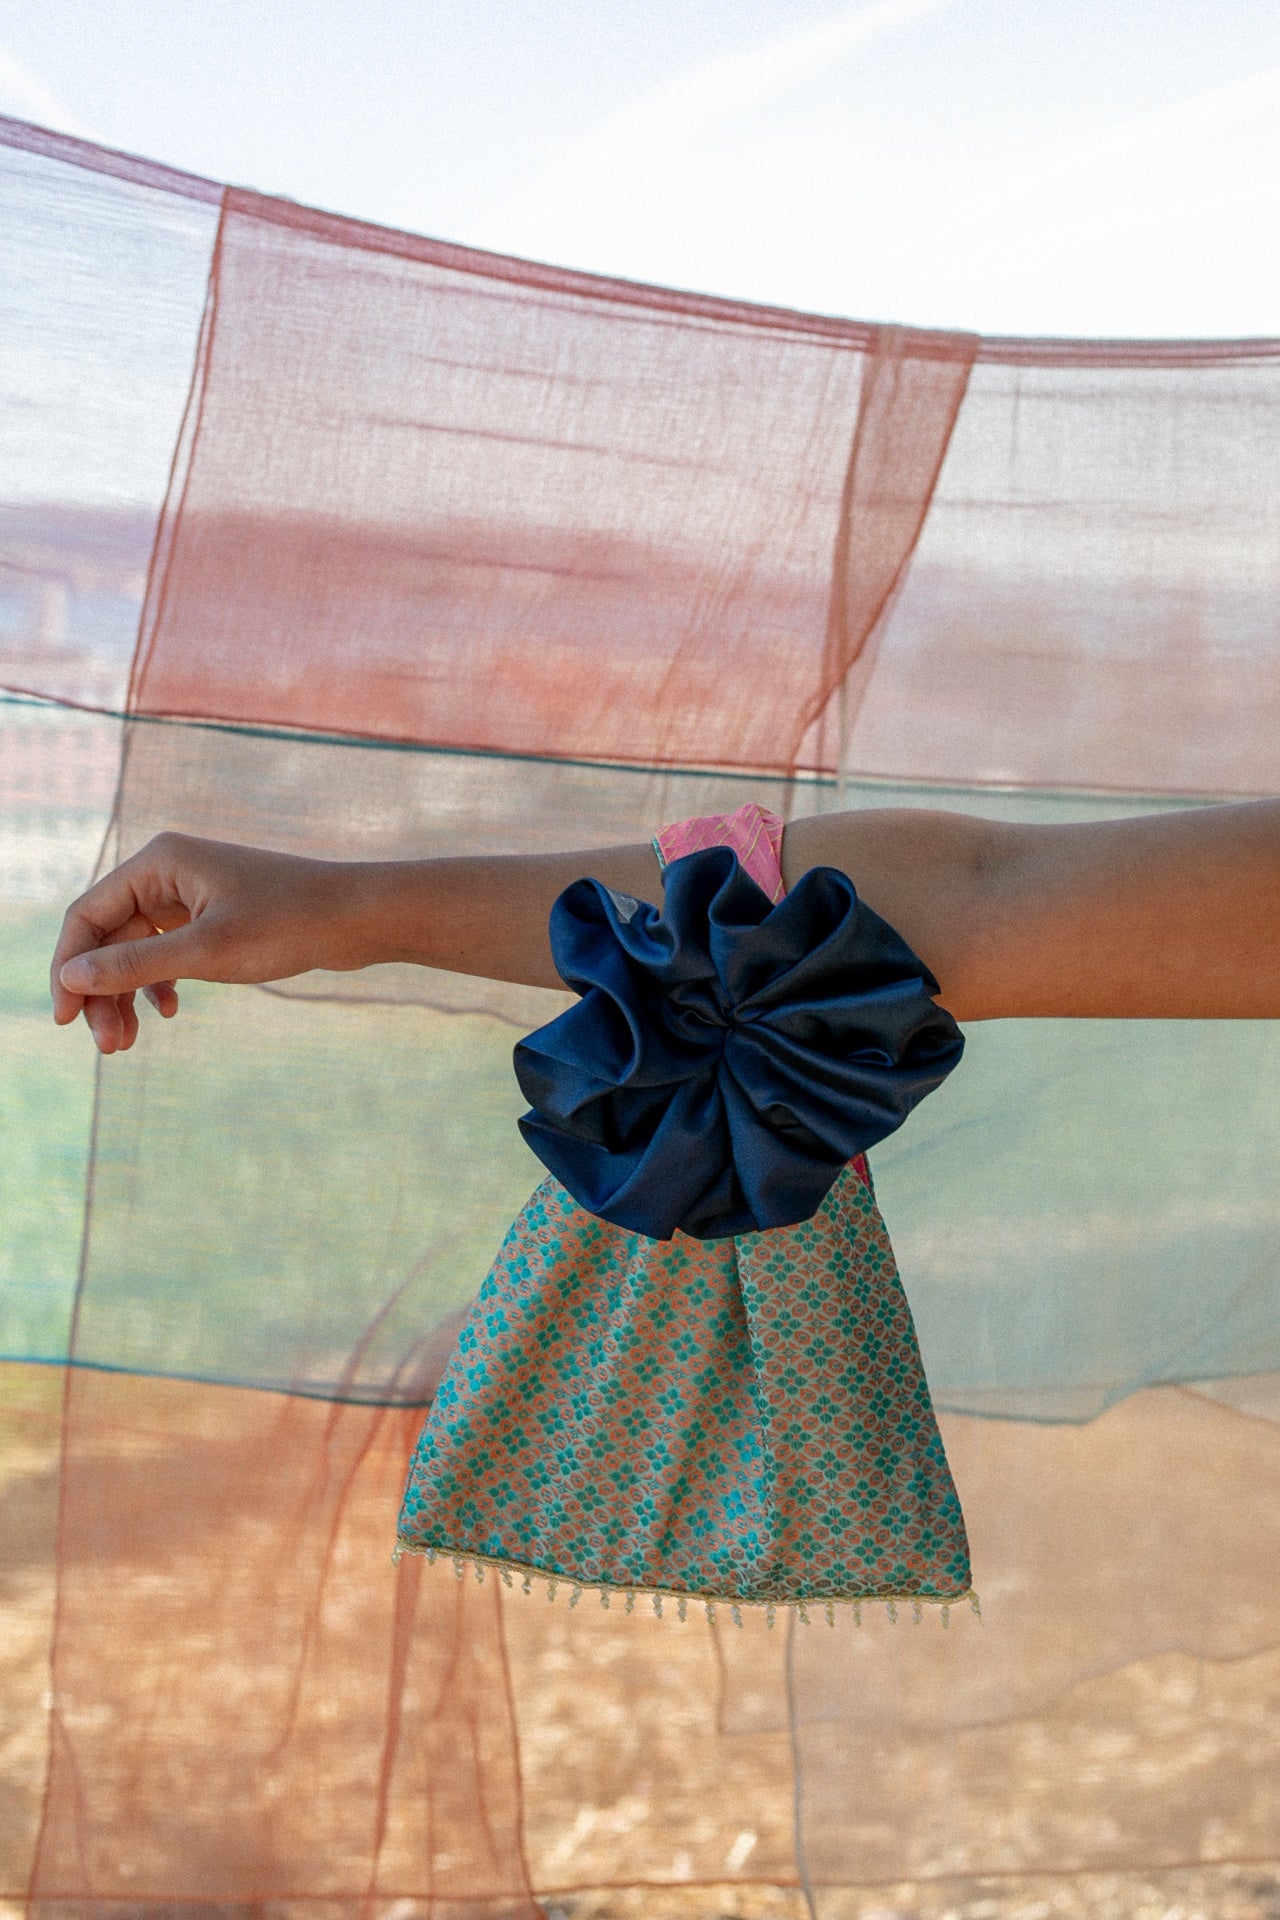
(186, 908)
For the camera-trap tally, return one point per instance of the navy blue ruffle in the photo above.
(728, 1056)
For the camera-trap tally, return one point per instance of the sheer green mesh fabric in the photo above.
(335, 539)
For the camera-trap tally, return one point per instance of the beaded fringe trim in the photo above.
(660, 1597)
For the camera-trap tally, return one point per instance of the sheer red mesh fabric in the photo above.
(583, 521)
(223, 1541)
(426, 551)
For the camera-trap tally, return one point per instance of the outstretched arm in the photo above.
(1172, 915)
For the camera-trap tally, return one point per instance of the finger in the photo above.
(66, 1006)
(180, 954)
(109, 905)
(103, 1018)
(128, 1019)
(113, 1020)
(112, 911)
(163, 995)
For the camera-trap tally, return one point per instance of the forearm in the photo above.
(485, 915)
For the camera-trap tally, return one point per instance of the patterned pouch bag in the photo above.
(692, 1371)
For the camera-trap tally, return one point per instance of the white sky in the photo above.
(1059, 166)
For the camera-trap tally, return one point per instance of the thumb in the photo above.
(178, 954)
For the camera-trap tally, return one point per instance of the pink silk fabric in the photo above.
(753, 832)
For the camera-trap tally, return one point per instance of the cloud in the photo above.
(25, 95)
(670, 115)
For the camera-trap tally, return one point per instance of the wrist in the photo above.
(356, 913)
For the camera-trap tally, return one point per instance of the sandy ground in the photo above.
(576, 1681)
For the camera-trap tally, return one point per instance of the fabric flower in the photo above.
(728, 1056)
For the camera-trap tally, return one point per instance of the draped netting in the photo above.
(332, 538)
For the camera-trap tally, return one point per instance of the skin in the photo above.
(1171, 916)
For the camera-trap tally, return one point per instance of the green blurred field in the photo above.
(278, 1183)
(293, 1192)
(46, 1107)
